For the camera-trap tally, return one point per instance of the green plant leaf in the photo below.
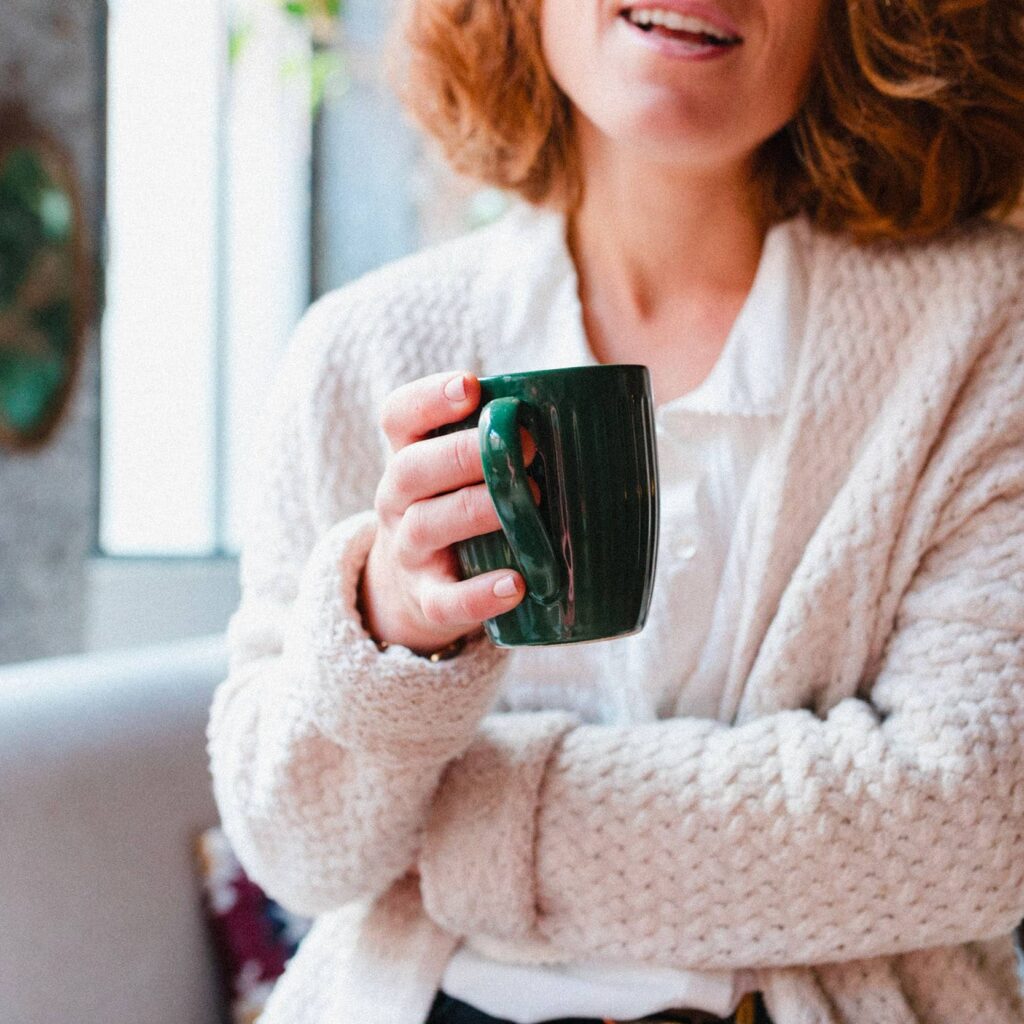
(293, 66)
(327, 77)
(27, 386)
(325, 68)
(238, 39)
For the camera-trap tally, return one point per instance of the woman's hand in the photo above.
(430, 496)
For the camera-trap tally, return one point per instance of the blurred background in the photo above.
(178, 181)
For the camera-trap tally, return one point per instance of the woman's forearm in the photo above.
(893, 824)
(326, 752)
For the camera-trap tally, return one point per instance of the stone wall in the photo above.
(51, 56)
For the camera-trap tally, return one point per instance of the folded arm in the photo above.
(894, 823)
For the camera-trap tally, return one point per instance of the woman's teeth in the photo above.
(650, 18)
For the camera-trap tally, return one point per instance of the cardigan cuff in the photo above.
(393, 705)
(477, 871)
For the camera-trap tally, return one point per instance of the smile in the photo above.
(684, 27)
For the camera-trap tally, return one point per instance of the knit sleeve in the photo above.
(324, 751)
(894, 823)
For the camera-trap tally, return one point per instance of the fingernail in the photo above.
(505, 587)
(455, 389)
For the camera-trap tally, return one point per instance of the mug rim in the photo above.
(553, 371)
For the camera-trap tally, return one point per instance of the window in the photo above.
(229, 208)
(208, 208)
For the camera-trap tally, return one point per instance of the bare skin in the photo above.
(675, 320)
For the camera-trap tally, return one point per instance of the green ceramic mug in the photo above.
(588, 551)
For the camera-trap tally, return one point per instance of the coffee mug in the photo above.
(587, 552)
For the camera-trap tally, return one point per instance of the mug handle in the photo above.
(505, 474)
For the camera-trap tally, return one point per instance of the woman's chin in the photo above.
(664, 137)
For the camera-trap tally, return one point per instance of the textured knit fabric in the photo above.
(854, 830)
(709, 442)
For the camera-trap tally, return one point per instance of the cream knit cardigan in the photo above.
(856, 834)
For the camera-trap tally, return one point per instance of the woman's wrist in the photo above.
(432, 650)
(441, 654)
(399, 708)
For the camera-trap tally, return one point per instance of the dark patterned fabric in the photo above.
(253, 936)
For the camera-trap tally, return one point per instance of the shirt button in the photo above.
(684, 547)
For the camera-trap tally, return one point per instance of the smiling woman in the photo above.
(795, 795)
(909, 121)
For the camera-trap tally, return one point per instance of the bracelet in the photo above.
(441, 654)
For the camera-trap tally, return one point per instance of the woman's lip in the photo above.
(679, 49)
(695, 8)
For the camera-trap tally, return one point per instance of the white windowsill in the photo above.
(137, 601)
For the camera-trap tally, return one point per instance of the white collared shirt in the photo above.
(711, 442)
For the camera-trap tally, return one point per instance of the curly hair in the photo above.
(912, 121)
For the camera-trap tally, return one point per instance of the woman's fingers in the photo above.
(426, 468)
(413, 410)
(529, 446)
(437, 465)
(452, 605)
(430, 497)
(430, 525)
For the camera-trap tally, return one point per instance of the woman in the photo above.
(798, 795)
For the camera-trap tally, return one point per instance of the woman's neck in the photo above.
(647, 238)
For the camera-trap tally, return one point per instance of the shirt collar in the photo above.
(540, 320)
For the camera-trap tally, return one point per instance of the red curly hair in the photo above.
(912, 123)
